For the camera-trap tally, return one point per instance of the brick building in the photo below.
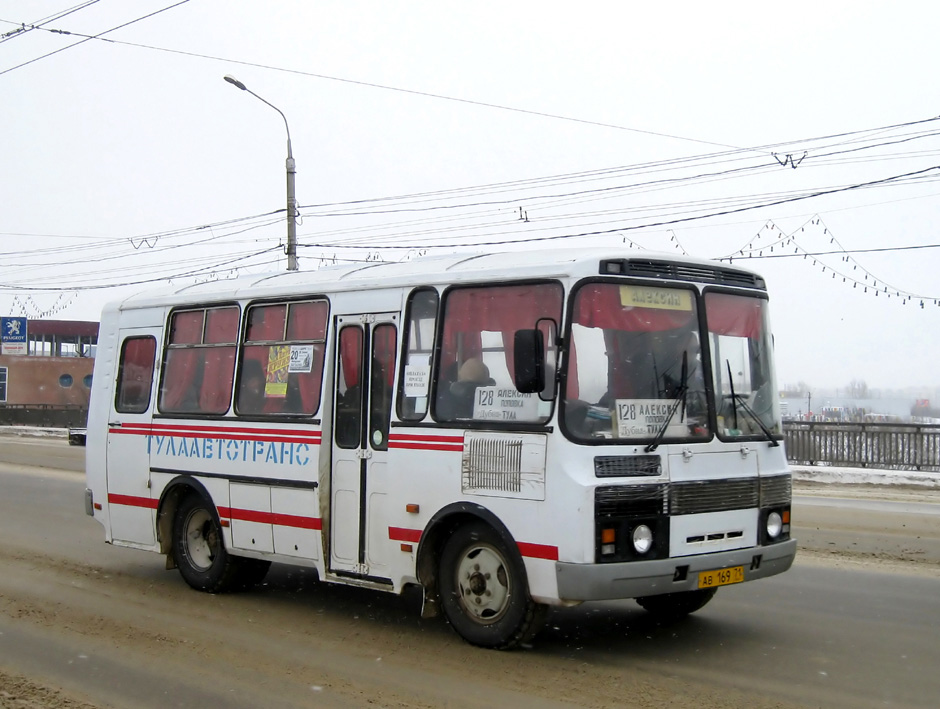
(51, 384)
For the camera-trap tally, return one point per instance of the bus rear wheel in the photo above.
(673, 606)
(483, 590)
(198, 547)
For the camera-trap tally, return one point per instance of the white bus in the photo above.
(508, 431)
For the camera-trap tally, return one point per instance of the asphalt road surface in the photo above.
(855, 623)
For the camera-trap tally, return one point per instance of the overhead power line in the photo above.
(87, 38)
(27, 27)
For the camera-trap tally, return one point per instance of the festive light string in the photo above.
(28, 307)
(780, 240)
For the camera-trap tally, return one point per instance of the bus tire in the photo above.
(673, 606)
(483, 590)
(199, 549)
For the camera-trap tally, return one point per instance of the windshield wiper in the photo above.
(736, 399)
(681, 396)
(757, 419)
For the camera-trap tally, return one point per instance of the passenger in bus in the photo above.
(458, 399)
(251, 388)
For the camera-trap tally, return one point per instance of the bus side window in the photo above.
(199, 363)
(135, 375)
(281, 366)
(418, 336)
(382, 375)
(348, 419)
(479, 325)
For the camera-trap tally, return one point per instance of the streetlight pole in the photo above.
(291, 249)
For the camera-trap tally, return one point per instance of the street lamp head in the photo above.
(235, 82)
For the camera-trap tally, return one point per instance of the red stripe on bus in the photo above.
(132, 501)
(276, 518)
(426, 446)
(538, 551)
(425, 442)
(416, 437)
(402, 534)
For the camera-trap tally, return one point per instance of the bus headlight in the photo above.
(642, 539)
(774, 525)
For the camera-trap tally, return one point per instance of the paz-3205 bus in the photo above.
(507, 431)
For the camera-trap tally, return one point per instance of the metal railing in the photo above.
(893, 446)
(62, 416)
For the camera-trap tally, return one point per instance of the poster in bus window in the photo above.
(275, 383)
(417, 376)
(301, 359)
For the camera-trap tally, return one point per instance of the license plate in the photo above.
(720, 577)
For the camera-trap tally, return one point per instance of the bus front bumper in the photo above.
(634, 579)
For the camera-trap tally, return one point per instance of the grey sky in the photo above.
(106, 143)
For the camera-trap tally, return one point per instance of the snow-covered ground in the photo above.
(864, 476)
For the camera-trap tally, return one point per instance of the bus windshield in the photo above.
(741, 365)
(635, 366)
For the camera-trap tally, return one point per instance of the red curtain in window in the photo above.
(215, 392)
(598, 305)
(182, 365)
(186, 328)
(307, 384)
(136, 374)
(222, 325)
(384, 340)
(501, 308)
(504, 309)
(618, 367)
(350, 348)
(266, 323)
(307, 321)
(179, 374)
(736, 315)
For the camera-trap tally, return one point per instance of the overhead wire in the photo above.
(88, 38)
(681, 212)
(27, 27)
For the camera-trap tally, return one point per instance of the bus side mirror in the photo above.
(529, 361)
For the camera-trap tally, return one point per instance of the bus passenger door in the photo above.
(130, 506)
(365, 367)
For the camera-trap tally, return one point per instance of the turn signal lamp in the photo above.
(608, 541)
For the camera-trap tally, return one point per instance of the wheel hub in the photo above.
(482, 583)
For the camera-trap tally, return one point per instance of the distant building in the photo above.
(50, 383)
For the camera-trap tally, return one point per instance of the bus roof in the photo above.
(459, 267)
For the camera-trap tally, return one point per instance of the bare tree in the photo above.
(858, 389)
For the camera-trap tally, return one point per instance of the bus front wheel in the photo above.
(483, 590)
(198, 548)
(672, 606)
